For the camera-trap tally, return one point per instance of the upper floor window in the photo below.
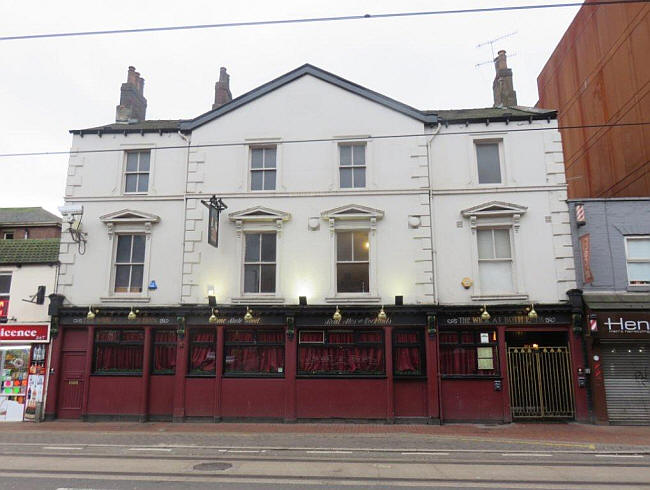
(352, 262)
(495, 260)
(263, 168)
(259, 263)
(8, 235)
(136, 174)
(637, 254)
(129, 263)
(488, 162)
(5, 288)
(352, 165)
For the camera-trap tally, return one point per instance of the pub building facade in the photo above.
(612, 247)
(235, 267)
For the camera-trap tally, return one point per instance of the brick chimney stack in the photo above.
(133, 105)
(504, 92)
(222, 93)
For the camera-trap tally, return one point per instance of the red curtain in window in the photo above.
(164, 356)
(458, 360)
(340, 359)
(407, 359)
(118, 357)
(254, 359)
(203, 358)
(239, 336)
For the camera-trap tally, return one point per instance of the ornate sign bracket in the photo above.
(215, 205)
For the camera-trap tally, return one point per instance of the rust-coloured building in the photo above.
(599, 75)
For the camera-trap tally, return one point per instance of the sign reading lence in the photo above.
(25, 333)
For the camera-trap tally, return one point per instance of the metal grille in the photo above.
(626, 370)
(540, 382)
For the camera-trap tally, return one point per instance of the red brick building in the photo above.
(599, 75)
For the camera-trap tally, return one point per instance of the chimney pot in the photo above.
(133, 105)
(222, 93)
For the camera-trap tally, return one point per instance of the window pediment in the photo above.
(259, 214)
(495, 213)
(131, 218)
(353, 211)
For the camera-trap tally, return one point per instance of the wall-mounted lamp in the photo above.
(213, 316)
(91, 313)
(302, 300)
(337, 315)
(212, 300)
(485, 316)
(532, 314)
(249, 315)
(399, 300)
(382, 316)
(133, 314)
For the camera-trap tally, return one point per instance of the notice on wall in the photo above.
(585, 246)
(485, 338)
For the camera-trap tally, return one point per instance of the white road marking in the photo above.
(329, 452)
(166, 449)
(63, 448)
(528, 455)
(619, 455)
(426, 454)
(245, 451)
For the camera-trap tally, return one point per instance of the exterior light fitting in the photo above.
(382, 316)
(91, 314)
(337, 315)
(213, 317)
(532, 314)
(249, 315)
(485, 316)
(133, 314)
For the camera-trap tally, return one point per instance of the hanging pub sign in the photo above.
(215, 205)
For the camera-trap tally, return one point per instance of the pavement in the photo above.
(461, 436)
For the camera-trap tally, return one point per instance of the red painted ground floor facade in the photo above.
(420, 364)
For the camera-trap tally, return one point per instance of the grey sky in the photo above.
(49, 86)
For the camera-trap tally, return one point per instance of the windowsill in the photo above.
(339, 376)
(267, 300)
(206, 375)
(136, 193)
(353, 299)
(254, 375)
(638, 287)
(118, 373)
(473, 377)
(409, 377)
(125, 299)
(499, 296)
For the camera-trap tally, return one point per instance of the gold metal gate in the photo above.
(539, 380)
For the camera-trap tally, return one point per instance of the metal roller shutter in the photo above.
(626, 370)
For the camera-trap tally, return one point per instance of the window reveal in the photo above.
(254, 352)
(118, 351)
(129, 263)
(352, 262)
(468, 353)
(136, 175)
(343, 352)
(263, 169)
(164, 352)
(408, 353)
(259, 263)
(495, 260)
(203, 352)
(352, 165)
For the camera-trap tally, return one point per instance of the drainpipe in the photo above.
(434, 261)
(188, 140)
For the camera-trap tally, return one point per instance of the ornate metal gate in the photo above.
(540, 382)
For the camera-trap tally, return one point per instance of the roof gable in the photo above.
(308, 69)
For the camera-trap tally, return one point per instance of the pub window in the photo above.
(468, 353)
(118, 351)
(341, 352)
(203, 352)
(408, 353)
(251, 352)
(164, 352)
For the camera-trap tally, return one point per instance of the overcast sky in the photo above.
(49, 86)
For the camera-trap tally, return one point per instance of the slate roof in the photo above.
(29, 251)
(493, 114)
(27, 216)
(150, 126)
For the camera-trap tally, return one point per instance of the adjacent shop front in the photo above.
(620, 363)
(23, 353)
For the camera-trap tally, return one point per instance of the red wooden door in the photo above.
(73, 367)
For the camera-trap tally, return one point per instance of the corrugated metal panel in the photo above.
(626, 370)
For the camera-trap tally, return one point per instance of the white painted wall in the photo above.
(533, 176)
(24, 284)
